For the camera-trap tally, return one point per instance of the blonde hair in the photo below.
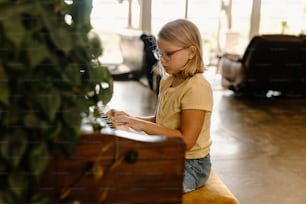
(184, 33)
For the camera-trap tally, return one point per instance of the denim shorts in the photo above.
(196, 173)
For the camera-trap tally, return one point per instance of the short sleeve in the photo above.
(198, 95)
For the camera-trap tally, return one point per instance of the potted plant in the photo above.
(49, 77)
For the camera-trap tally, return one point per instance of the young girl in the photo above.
(185, 100)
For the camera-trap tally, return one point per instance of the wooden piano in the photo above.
(118, 166)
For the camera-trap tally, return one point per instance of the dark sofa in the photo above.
(269, 63)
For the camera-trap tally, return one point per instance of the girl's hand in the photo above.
(116, 117)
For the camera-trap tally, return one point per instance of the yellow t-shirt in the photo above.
(194, 93)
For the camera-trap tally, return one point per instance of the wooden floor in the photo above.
(259, 144)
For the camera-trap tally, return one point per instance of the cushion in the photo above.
(214, 191)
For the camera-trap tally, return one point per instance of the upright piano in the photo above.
(117, 166)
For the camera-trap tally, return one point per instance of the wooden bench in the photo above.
(213, 192)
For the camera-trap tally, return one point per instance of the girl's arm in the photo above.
(113, 114)
(191, 125)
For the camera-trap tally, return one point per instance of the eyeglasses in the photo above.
(167, 54)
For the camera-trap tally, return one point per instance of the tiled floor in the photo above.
(259, 144)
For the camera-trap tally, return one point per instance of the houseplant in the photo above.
(49, 76)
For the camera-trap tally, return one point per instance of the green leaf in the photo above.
(61, 38)
(8, 197)
(69, 139)
(95, 45)
(38, 158)
(60, 35)
(105, 94)
(54, 130)
(13, 114)
(18, 183)
(100, 74)
(14, 30)
(50, 103)
(17, 66)
(36, 52)
(13, 147)
(10, 9)
(72, 117)
(72, 75)
(4, 90)
(103, 88)
(30, 120)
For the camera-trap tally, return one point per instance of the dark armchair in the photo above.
(270, 62)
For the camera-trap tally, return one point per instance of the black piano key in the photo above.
(107, 121)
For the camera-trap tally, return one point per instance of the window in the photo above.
(109, 17)
(277, 16)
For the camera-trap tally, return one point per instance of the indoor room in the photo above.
(75, 73)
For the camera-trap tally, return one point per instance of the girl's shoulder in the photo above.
(199, 79)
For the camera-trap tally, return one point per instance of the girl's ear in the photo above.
(192, 51)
